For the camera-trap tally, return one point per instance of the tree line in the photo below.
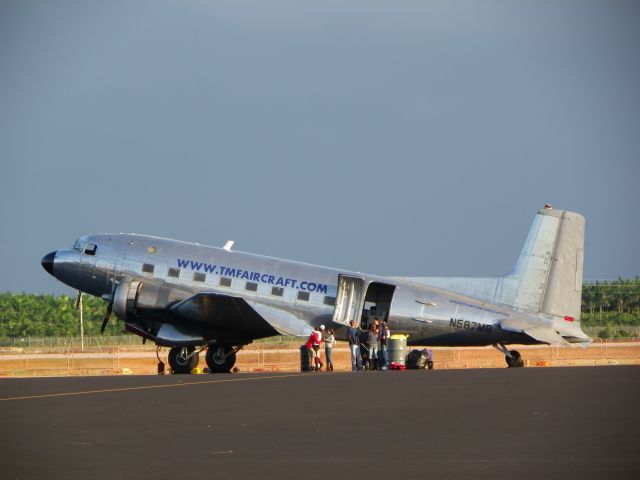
(604, 303)
(31, 315)
(611, 302)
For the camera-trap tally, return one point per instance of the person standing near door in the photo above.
(383, 336)
(354, 346)
(329, 340)
(372, 341)
(316, 343)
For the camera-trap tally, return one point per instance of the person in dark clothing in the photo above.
(383, 336)
(354, 346)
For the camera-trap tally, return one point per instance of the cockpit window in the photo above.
(90, 249)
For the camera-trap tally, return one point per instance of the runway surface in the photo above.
(578, 423)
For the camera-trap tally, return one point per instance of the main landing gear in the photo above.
(512, 357)
(183, 359)
(220, 358)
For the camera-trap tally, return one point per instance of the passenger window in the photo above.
(251, 287)
(174, 272)
(147, 268)
(199, 277)
(90, 249)
(304, 296)
(277, 291)
(331, 301)
(225, 282)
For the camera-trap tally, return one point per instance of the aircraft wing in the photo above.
(225, 314)
(285, 322)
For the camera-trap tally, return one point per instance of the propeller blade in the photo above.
(107, 315)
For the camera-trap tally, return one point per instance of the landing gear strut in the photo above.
(512, 357)
(183, 359)
(221, 358)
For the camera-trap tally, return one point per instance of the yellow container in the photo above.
(397, 348)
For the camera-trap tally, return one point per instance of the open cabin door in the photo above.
(349, 300)
(361, 300)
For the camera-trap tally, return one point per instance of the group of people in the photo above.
(368, 355)
(372, 353)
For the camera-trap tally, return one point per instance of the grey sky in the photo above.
(407, 138)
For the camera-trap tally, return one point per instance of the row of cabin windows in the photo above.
(248, 286)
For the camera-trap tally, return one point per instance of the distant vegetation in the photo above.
(608, 306)
(29, 315)
(611, 305)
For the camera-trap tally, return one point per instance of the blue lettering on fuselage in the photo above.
(267, 278)
(196, 266)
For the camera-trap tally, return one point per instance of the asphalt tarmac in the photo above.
(569, 423)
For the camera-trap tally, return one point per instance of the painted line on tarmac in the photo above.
(149, 387)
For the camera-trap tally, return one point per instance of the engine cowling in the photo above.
(125, 300)
(135, 299)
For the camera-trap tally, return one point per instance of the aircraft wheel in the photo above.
(514, 360)
(220, 359)
(179, 359)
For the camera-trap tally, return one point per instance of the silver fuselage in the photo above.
(292, 297)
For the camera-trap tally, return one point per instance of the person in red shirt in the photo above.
(315, 341)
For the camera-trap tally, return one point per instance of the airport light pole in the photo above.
(79, 305)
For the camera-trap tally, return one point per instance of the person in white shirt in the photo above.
(329, 341)
(372, 342)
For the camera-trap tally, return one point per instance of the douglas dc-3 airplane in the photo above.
(189, 296)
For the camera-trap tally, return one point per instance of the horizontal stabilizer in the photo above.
(546, 335)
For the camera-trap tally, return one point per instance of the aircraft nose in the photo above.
(47, 262)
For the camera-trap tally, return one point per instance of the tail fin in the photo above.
(547, 277)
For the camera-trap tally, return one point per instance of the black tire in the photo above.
(178, 361)
(514, 360)
(219, 363)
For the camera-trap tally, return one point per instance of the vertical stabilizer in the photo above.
(548, 275)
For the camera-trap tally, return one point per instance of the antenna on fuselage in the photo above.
(228, 245)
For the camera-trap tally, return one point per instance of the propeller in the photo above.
(107, 314)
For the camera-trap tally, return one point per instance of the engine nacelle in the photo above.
(125, 299)
(134, 300)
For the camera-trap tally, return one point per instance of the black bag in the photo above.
(417, 359)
